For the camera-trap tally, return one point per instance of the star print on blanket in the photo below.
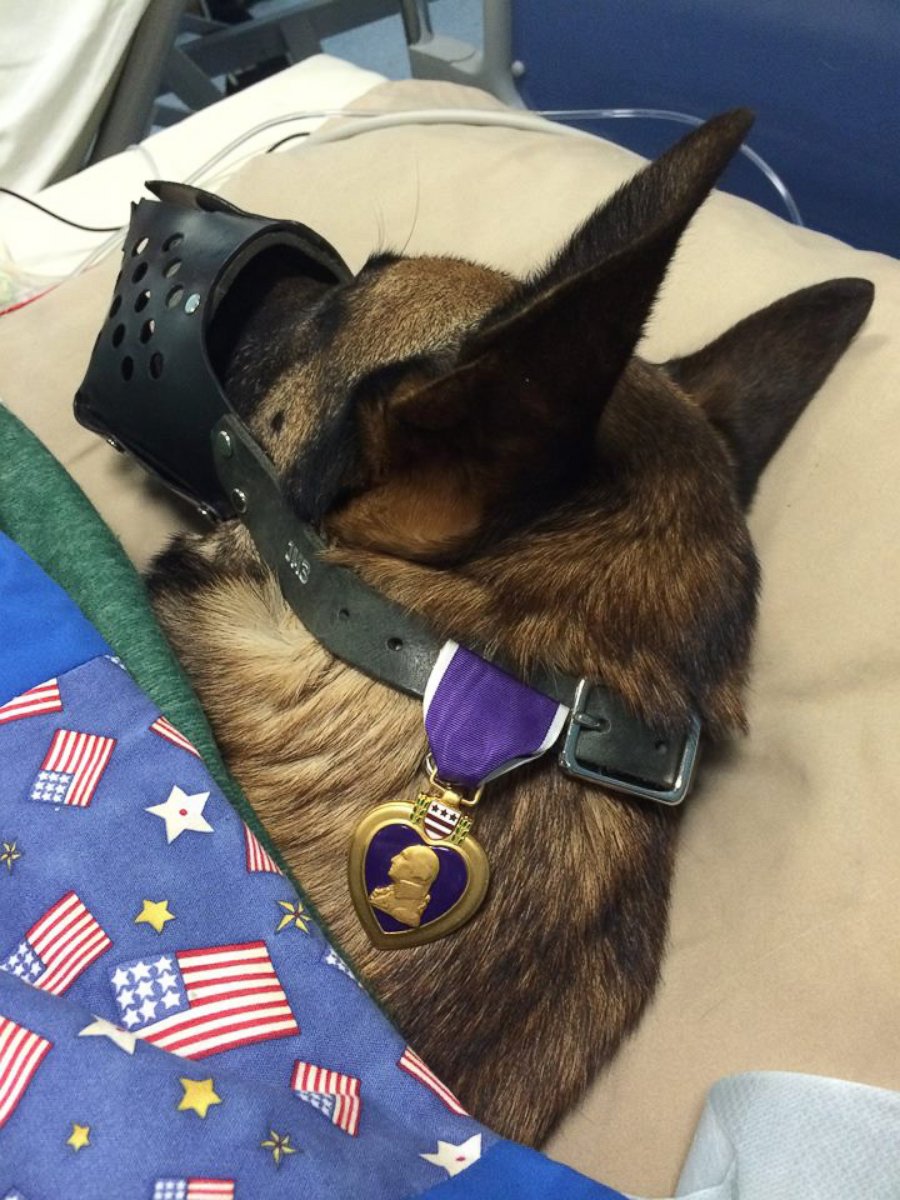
(174, 1025)
(281, 1011)
(182, 812)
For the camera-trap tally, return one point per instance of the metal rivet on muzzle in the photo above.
(226, 446)
(239, 500)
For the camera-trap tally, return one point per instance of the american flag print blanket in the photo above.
(174, 1025)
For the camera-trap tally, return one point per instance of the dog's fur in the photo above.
(490, 454)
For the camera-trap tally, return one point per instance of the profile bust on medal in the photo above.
(413, 871)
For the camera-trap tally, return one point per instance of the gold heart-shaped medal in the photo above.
(415, 873)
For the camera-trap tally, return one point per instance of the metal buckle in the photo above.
(581, 721)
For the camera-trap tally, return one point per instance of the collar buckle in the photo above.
(605, 744)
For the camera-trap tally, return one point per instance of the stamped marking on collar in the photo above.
(297, 563)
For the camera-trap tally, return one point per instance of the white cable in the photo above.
(665, 114)
(545, 122)
(357, 123)
(366, 122)
(530, 121)
(542, 121)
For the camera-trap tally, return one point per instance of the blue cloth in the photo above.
(511, 1172)
(44, 634)
(173, 1024)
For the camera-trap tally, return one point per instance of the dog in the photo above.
(490, 453)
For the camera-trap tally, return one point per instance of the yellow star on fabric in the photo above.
(294, 914)
(279, 1144)
(155, 913)
(199, 1095)
(79, 1137)
(10, 853)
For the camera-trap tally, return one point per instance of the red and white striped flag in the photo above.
(21, 1053)
(413, 1065)
(58, 947)
(193, 1189)
(44, 698)
(334, 1094)
(258, 859)
(167, 730)
(200, 1002)
(72, 767)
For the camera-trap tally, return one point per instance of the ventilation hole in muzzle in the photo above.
(117, 335)
(192, 303)
(174, 295)
(661, 747)
(139, 272)
(115, 306)
(147, 330)
(172, 268)
(395, 643)
(156, 365)
(171, 242)
(142, 301)
(127, 367)
(140, 246)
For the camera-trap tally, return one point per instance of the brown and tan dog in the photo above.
(490, 454)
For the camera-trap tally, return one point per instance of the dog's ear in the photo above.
(554, 352)
(755, 380)
(514, 417)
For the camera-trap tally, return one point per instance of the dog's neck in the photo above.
(582, 607)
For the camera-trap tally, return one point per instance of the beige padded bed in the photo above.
(785, 935)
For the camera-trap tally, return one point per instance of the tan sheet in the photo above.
(785, 926)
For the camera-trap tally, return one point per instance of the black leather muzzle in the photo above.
(150, 387)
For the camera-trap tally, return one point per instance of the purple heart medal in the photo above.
(416, 873)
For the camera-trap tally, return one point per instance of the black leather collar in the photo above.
(150, 389)
(603, 744)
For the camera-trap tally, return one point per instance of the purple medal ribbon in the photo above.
(481, 722)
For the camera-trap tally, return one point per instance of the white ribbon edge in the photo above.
(439, 670)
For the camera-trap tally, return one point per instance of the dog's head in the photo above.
(491, 453)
